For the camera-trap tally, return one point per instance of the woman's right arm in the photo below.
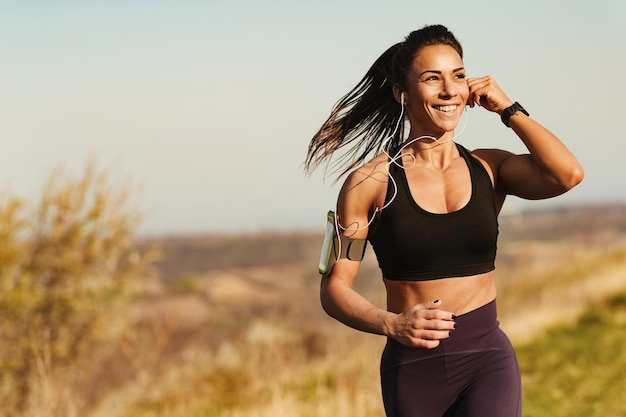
(341, 302)
(423, 325)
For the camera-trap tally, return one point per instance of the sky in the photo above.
(210, 105)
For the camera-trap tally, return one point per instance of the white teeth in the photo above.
(446, 108)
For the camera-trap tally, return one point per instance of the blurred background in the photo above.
(210, 104)
(159, 239)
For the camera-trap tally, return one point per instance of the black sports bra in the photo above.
(415, 245)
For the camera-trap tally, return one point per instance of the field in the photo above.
(231, 326)
(242, 333)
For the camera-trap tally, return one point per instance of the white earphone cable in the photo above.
(393, 160)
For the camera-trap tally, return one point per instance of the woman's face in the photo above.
(437, 91)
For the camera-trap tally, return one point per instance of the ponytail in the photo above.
(362, 118)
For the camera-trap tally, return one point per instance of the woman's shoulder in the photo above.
(371, 174)
(365, 186)
(491, 155)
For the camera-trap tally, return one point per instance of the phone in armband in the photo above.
(327, 257)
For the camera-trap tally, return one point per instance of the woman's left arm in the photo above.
(548, 170)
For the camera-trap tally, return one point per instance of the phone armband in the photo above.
(337, 247)
(327, 255)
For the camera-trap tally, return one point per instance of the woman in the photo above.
(429, 208)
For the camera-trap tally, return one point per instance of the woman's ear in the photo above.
(399, 95)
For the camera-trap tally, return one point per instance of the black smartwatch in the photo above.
(510, 111)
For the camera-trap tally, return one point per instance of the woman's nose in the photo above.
(449, 88)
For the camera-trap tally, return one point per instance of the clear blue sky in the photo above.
(211, 104)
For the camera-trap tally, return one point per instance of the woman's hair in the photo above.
(369, 113)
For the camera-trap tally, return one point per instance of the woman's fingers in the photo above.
(485, 92)
(423, 325)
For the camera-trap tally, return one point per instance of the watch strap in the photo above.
(510, 111)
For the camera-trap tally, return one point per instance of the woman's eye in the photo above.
(460, 76)
(432, 78)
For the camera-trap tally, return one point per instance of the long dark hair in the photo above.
(369, 113)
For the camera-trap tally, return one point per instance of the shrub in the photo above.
(66, 264)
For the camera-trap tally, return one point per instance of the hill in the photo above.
(231, 324)
(277, 271)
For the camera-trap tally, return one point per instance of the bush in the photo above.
(66, 264)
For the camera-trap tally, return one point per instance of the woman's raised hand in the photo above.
(485, 93)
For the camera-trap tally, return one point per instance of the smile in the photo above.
(446, 109)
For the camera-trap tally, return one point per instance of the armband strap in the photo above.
(352, 249)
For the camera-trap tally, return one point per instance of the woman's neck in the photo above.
(431, 150)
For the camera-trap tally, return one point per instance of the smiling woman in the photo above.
(429, 208)
(440, 69)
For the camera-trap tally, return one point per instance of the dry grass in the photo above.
(272, 351)
(273, 364)
(68, 265)
(231, 326)
(557, 289)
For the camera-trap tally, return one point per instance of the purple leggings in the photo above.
(473, 373)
